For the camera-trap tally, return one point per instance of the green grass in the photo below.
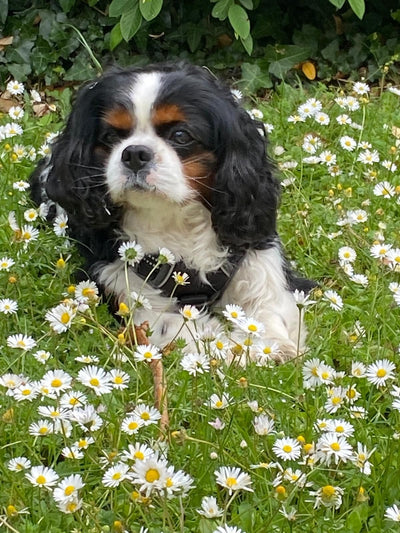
(313, 202)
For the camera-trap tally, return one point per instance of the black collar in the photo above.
(196, 292)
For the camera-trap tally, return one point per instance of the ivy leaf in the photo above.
(253, 78)
(337, 3)
(239, 20)
(119, 7)
(194, 35)
(115, 36)
(286, 57)
(221, 9)
(358, 6)
(150, 8)
(130, 23)
(248, 44)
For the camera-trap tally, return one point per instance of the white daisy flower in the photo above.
(8, 306)
(385, 189)
(361, 457)
(86, 292)
(347, 254)
(137, 452)
(131, 252)
(393, 512)
(41, 428)
(219, 402)
(195, 363)
(348, 143)
(328, 496)
(17, 464)
(389, 165)
(368, 158)
(166, 256)
(352, 104)
(380, 251)
(360, 279)
(150, 475)
(333, 448)
(233, 479)
(149, 415)
(115, 475)
(6, 263)
(234, 313)
(132, 424)
(147, 352)
(56, 381)
(61, 317)
(343, 119)
(263, 425)
(361, 88)
(119, 379)
(379, 372)
(335, 301)
(42, 476)
(287, 448)
(24, 342)
(181, 278)
(96, 378)
(26, 391)
(327, 157)
(210, 508)
(15, 87)
(358, 369)
(321, 118)
(189, 312)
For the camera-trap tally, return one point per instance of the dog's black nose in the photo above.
(136, 157)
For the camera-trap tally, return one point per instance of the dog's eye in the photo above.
(181, 137)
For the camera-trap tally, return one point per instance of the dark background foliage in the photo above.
(275, 43)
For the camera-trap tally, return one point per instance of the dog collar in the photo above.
(196, 292)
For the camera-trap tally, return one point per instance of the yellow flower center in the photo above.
(325, 375)
(43, 430)
(65, 318)
(40, 480)
(218, 403)
(328, 491)
(252, 328)
(139, 455)
(152, 475)
(287, 448)
(26, 392)
(335, 446)
(351, 393)
(280, 489)
(267, 350)
(145, 416)
(339, 429)
(169, 482)
(69, 490)
(73, 401)
(95, 382)
(219, 345)
(381, 373)
(116, 476)
(133, 425)
(336, 400)
(82, 443)
(234, 314)
(231, 481)
(71, 506)
(147, 355)
(56, 382)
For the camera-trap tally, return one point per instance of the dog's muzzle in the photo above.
(139, 161)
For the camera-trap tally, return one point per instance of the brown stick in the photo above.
(160, 383)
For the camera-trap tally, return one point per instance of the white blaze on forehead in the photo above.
(144, 93)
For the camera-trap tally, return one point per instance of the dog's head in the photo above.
(169, 132)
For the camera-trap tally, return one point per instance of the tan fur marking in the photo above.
(167, 113)
(120, 119)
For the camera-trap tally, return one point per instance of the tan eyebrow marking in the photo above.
(167, 113)
(120, 119)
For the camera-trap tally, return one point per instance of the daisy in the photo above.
(44, 151)
(24, 342)
(15, 87)
(28, 233)
(385, 189)
(18, 464)
(389, 165)
(393, 256)
(380, 251)
(147, 352)
(217, 424)
(347, 254)
(328, 496)
(87, 359)
(165, 256)
(115, 475)
(181, 278)
(70, 506)
(56, 380)
(177, 482)
(86, 292)
(335, 301)
(234, 313)
(264, 352)
(137, 452)
(150, 475)
(296, 118)
(336, 397)
(228, 529)
(263, 425)
(6, 263)
(72, 452)
(42, 476)
(343, 119)
(219, 402)
(53, 413)
(119, 379)
(233, 479)
(72, 400)
(348, 143)
(41, 428)
(96, 378)
(287, 448)
(360, 279)
(306, 110)
(361, 88)
(316, 372)
(331, 447)
(8, 306)
(139, 301)
(379, 372)
(361, 457)
(352, 103)
(149, 415)
(210, 508)
(189, 312)
(321, 118)
(131, 424)
(131, 252)
(357, 216)
(327, 157)
(368, 158)
(30, 215)
(61, 317)
(339, 427)
(393, 512)
(195, 363)
(358, 369)
(26, 391)
(11, 381)
(251, 326)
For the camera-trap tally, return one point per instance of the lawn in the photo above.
(308, 446)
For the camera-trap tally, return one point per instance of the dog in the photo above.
(166, 157)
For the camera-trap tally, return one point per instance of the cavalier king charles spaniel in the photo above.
(165, 156)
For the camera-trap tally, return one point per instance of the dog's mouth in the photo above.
(143, 180)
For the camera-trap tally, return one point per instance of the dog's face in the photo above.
(174, 133)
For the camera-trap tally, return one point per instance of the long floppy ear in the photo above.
(75, 177)
(246, 192)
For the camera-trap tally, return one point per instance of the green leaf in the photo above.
(115, 36)
(253, 78)
(130, 23)
(150, 8)
(248, 44)
(67, 5)
(358, 6)
(354, 523)
(119, 7)
(221, 8)
(286, 57)
(337, 3)
(239, 20)
(3, 10)
(248, 4)
(194, 35)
